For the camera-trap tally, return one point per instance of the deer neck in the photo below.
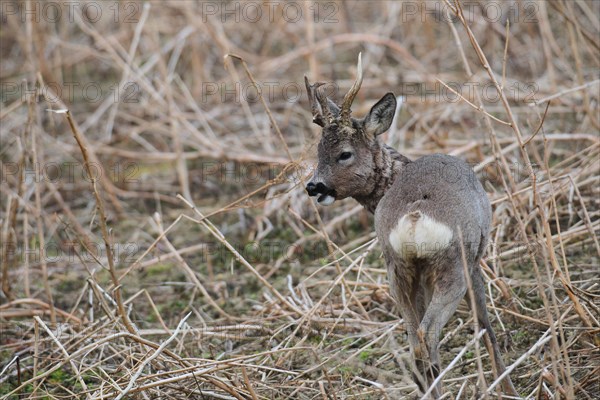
(388, 165)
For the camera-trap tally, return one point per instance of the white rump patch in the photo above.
(418, 236)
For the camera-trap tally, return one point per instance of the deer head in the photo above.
(349, 148)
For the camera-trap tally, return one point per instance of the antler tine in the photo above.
(311, 91)
(325, 106)
(349, 97)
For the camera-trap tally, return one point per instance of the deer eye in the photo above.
(344, 156)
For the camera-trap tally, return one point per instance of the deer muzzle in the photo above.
(326, 195)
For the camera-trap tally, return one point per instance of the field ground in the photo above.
(222, 279)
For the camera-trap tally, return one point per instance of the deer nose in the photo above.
(311, 189)
(314, 189)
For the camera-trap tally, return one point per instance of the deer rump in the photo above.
(433, 208)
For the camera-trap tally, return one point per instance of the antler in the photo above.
(312, 90)
(329, 119)
(349, 97)
(324, 116)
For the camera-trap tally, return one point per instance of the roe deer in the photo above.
(422, 210)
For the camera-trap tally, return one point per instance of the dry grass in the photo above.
(225, 280)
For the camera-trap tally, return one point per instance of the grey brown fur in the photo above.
(441, 201)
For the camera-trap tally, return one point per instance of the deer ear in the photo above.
(379, 119)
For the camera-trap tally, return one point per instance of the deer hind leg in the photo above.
(420, 351)
(412, 316)
(490, 340)
(405, 291)
(448, 291)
